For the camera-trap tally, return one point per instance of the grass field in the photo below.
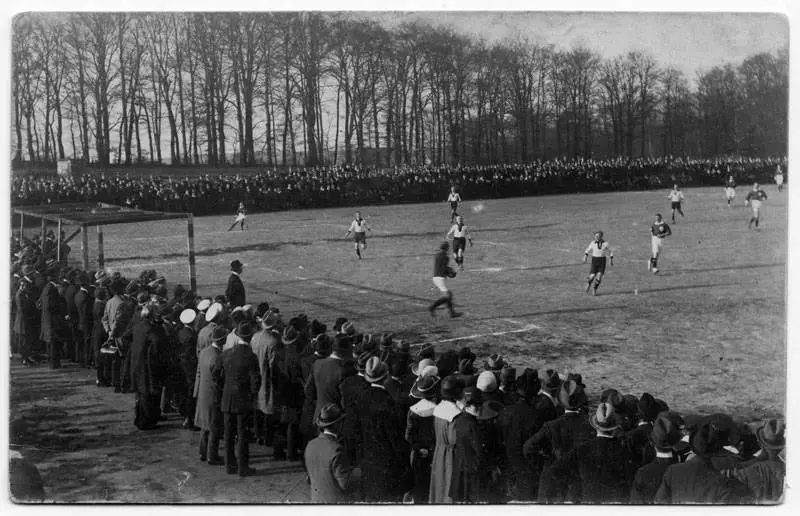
(706, 333)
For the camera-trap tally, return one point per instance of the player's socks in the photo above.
(358, 253)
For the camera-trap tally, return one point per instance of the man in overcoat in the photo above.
(53, 318)
(330, 474)
(235, 292)
(208, 397)
(240, 377)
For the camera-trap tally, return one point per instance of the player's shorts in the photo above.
(453, 205)
(756, 205)
(676, 205)
(360, 238)
(440, 284)
(459, 244)
(598, 265)
(656, 244)
(240, 217)
(730, 193)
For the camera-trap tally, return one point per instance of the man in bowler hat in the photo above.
(330, 474)
(235, 291)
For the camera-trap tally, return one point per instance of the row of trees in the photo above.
(312, 88)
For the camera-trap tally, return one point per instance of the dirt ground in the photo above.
(82, 440)
(707, 334)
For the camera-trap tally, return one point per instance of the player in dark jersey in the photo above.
(658, 232)
(755, 197)
(442, 270)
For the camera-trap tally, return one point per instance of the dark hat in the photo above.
(666, 433)
(472, 396)
(237, 316)
(142, 298)
(705, 439)
(771, 435)
(444, 245)
(317, 328)
(219, 334)
(647, 407)
(361, 361)
(692, 421)
(398, 368)
(577, 378)
(178, 291)
(725, 428)
(116, 287)
(385, 340)
(329, 414)
(466, 366)
(290, 335)
(427, 351)
(528, 383)
(376, 370)
(425, 387)
(508, 375)
(630, 405)
(221, 299)
(322, 344)
(447, 363)
(571, 396)
(662, 405)
(338, 324)
(261, 310)
(342, 342)
(236, 265)
(495, 363)
(551, 381)
(605, 419)
(245, 330)
(451, 388)
(348, 328)
(615, 398)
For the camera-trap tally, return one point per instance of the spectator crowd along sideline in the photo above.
(371, 419)
(274, 190)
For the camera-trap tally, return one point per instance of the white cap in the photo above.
(188, 316)
(213, 311)
(487, 382)
(203, 305)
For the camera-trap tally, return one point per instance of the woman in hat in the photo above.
(420, 434)
(470, 473)
(442, 462)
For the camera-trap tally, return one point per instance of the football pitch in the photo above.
(706, 334)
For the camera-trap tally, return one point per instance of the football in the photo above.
(478, 208)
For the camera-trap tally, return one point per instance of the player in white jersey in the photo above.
(676, 197)
(658, 232)
(359, 228)
(730, 191)
(599, 250)
(454, 199)
(779, 178)
(241, 214)
(755, 197)
(460, 235)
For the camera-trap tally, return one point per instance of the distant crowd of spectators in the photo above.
(275, 190)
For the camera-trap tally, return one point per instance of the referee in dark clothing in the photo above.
(442, 270)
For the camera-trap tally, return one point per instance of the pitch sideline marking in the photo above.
(527, 328)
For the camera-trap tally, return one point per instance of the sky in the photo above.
(691, 42)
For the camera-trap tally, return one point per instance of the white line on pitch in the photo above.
(338, 287)
(529, 327)
(490, 242)
(138, 265)
(514, 321)
(488, 269)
